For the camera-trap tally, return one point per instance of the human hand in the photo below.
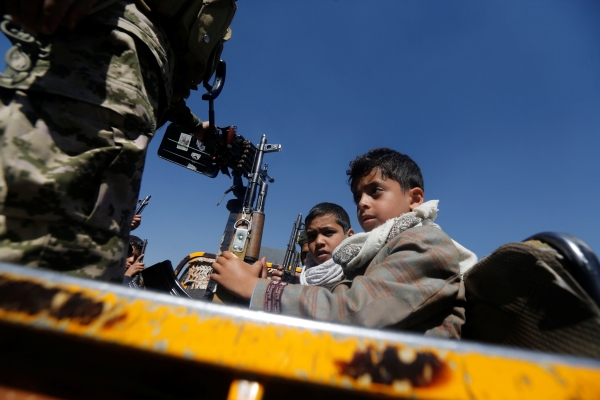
(46, 15)
(201, 130)
(137, 266)
(236, 276)
(277, 274)
(264, 273)
(137, 220)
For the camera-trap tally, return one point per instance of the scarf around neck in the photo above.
(325, 274)
(358, 250)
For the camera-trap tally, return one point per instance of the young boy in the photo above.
(404, 272)
(326, 226)
(303, 243)
(134, 263)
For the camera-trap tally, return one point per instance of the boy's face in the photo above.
(134, 253)
(303, 252)
(379, 199)
(324, 235)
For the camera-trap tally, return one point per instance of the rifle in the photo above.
(143, 250)
(290, 261)
(222, 150)
(243, 233)
(142, 204)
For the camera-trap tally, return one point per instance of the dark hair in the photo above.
(341, 216)
(392, 164)
(136, 242)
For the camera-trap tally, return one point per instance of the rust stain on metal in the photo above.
(393, 365)
(113, 321)
(78, 308)
(33, 298)
(26, 297)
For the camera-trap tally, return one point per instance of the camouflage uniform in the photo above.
(74, 131)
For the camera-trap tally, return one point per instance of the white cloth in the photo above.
(324, 274)
(358, 250)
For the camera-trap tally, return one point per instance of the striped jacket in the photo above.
(412, 284)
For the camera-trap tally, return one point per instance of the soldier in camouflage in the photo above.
(78, 108)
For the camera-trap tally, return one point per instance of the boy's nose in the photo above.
(362, 202)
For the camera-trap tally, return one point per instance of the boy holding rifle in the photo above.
(404, 272)
(134, 264)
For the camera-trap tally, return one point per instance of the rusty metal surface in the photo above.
(267, 347)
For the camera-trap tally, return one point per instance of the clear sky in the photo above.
(497, 101)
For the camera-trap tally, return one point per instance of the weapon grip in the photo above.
(253, 249)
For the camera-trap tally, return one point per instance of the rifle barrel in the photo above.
(254, 178)
(142, 205)
(288, 261)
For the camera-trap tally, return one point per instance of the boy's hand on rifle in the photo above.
(276, 274)
(237, 276)
(136, 267)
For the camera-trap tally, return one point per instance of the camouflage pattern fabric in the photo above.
(74, 131)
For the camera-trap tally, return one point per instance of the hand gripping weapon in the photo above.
(222, 150)
(243, 233)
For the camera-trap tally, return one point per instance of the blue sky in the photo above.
(497, 101)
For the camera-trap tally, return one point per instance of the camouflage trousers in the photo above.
(71, 165)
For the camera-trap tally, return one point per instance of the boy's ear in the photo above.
(417, 196)
(350, 232)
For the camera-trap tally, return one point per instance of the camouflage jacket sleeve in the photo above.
(413, 283)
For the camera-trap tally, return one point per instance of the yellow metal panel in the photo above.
(289, 348)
